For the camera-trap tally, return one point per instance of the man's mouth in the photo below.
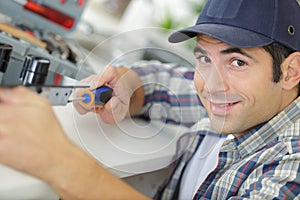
(221, 103)
(221, 108)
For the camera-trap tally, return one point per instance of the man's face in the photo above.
(235, 85)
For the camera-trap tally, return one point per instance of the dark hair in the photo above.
(279, 52)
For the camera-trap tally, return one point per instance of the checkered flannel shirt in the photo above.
(170, 95)
(262, 164)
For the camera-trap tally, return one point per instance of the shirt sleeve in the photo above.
(170, 95)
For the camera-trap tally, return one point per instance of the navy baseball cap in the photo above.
(247, 23)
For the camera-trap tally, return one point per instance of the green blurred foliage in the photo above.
(169, 22)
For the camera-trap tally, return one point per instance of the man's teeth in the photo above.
(223, 104)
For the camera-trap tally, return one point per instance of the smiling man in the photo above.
(247, 77)
(236, 85)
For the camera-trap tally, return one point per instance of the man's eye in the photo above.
(204, 59)
(238, 63)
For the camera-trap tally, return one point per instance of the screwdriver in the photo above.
(98, 96)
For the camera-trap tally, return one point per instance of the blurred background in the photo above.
(123, 31)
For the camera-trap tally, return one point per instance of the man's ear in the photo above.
(291, 71)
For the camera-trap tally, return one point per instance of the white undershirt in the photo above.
(203, 162)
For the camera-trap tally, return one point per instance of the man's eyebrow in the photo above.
(235, 50)
(200, 50)
(225, 51)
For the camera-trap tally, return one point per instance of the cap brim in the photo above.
(233, 36)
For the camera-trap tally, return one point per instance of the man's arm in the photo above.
(33, 141)
(169, 93)
(170, 88)
(135, 86)
(75, 175)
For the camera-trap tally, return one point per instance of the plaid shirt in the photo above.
(170, 95)
(262, 164)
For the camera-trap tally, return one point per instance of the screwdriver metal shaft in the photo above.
(76, 99)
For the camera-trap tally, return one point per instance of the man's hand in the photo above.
(29, 131)
(128, 95)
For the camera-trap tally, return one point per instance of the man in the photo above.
(247, 77)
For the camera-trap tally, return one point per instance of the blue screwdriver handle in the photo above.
(100, 96)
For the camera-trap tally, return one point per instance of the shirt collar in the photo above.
(267, 132)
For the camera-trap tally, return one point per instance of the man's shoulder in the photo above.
(290, 137)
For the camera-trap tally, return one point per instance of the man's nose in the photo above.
(216, 80)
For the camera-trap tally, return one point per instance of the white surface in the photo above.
(129, 148)
(16, 185)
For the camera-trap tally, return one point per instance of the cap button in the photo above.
(291, 30)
